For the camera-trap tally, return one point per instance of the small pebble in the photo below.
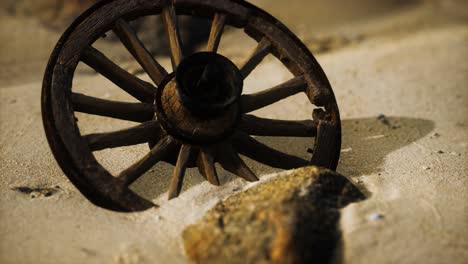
(346, 150)
(376, 216)
(435, 135)
(440, 152)
(375, 137)
(426, 168)
(455, 153)
(384, 120)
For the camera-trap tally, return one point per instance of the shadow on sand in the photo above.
(366, 143)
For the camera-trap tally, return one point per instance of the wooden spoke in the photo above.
(156, 154)
(249, 147)
(216, 32)
(206, 166)
(253, 125)
(126, 137)
(252, 102)
(134, 45)
(230, 161)
(169, 18)
(179, 171)
(136, 87)
(260, 52)
(137, 112)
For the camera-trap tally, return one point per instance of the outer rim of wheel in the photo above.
(133, 202)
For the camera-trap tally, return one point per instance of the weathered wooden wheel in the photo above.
(195, 116)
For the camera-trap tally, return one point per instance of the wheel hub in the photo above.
(199, 103)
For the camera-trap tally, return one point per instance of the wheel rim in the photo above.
(74, 152)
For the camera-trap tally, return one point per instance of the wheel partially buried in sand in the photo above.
(193, 117)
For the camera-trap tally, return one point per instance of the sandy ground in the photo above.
(405, 60)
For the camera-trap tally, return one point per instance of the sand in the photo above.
(407, 62)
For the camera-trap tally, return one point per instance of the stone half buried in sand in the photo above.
(290, 219)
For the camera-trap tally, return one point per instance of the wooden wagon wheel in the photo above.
(195, 116)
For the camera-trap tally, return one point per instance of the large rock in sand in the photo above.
(290, 219)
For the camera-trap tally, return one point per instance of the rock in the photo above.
(383, 119)
(346, 150)
(290, 219)
(37, 192)
(386, 121)
(376, 216)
